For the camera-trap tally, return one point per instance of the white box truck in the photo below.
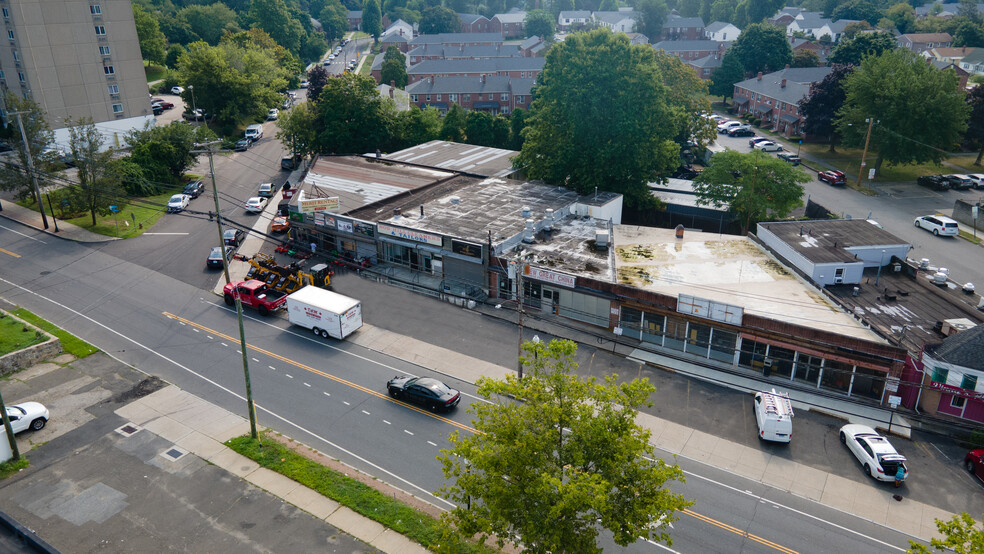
(325, 313)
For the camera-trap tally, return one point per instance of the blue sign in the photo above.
(114, 208)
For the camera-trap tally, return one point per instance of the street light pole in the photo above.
(519, 295)
(864, 153)
(194, 108)
(30, 168)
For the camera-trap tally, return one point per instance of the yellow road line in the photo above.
(9, 253)
(738, 531)
(315, 371)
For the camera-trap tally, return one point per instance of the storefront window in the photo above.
(676, 333)
(836, 376)
(752, 354)
(652, 328)
(630, 321)
(723, 345)
(782, 362)
(698, 339)
(808, 369)
(532, 293)
(868, 383)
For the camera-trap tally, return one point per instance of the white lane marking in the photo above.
(386, 422)
(238, 351)
(346, 403)
(408, 432)
(224, 344)
(940, 451)
(23, 235)
(210, 337)
(195, 330)
(289, 375)
(307, 384)
(661, 545)
(432, 443)
(325, 393)
(365, 412)
(255, 360)
(271, 367)
(338, 447)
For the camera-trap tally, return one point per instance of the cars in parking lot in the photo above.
(27, 415)
(755, 140)
(177, 203)
(743, 131)
(832, 177)
(265, 190)
(157, 110)
(878, 457)
(304, 83)
(280, 224)
(426, 391)
(194, 189)
(233, 237)
(978, 179)
(214, 259)
(723, 128)
(938, 225)
(162, 103)
(935, 182)
(790, 157)
(273, 114)
(768, 146)
(177, 90)
(974, 462)
(958, 181)
(255, 204)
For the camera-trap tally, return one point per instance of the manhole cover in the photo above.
(128, 430)
(174, 454)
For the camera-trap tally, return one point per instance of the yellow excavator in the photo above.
(287, 278)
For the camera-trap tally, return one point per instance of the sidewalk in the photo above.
(66, 230)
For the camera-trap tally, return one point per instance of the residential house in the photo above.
(775, 97)
(444, 52)
(622, 21)
(920, 42)
(354, 20)
(458, 39)
(953, 55)
(688, 50)
(401, 27)
(963, 75)
(683, 28)
(401, 42)
(784, 17)
(474, 23)
(834, 29)
(946, 10)
(722, 32)
(533, 47)
(821, 49)
(496, 95)
(807, 23)
(973, 62)
(516, 68)
(510, 25)
(953, 375)
(573, 19)
(637, 38)
(704, 67)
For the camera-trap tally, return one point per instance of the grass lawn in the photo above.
(966, 161)
(848, 160)
(366, 66)
(14, 335)
(70, 343)
(11, 467)
(154, 72)
(143, 212)
(358, 496)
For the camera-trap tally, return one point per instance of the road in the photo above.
(895, 208)
(330, 395)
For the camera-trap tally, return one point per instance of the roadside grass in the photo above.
(371, 503)
(969, 237)
(133, 219)
(154, 72)
(14, 335)
(70, 343)
(366, 66)
(11, 467)
(966, 162)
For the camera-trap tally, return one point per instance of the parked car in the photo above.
(978, 179)
(256, 204)
(194, 189)
(728, 125)
(878, 457)
(273, 114)
(242, 145)
(280, 224)
(287, 104)
(790, 157)
(753, 141)
(832, 177)
(427, 392)
(177, 203)
(743, 131)
(938, 225)
(935, 182)
(233, 237)
(768, 146)
(265, 190)
(195, 115)
(162, 103)
(290, 163)
(959, 181)
(304, 83)
(716, 118)
(27, 415)
(974, 462)
(177, 90)
(156, 109)
(214, 259)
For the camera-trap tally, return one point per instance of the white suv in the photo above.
(938, 225)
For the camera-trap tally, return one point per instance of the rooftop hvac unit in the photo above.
(602, 238)
(838, 280)
(529, 231)
(939, 278)
(924, 263)
(548, 220)
(526, 211)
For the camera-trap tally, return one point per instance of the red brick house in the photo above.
(496, 95)
(515, 68)
(474, 23)
(683, 28)
(775, 97)
(688, 50)
(510, 25)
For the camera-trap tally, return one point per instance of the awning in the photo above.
(762, 109)
(740, 100)
(485, 105)
(789, 118)
(438, 105)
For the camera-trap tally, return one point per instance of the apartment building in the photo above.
(76, 59)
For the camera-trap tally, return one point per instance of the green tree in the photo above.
(438, 19)
(517, 123)
(757, 10)
(652, 15)
(394, 68)
(975, 122)
(352, 117)
(297, 129)
(453, 126)
(273, 17)
(152, 41)
(568, 460)
(561, 6)
(478, 128)
(501, 131)
(968, 34)
(919, 110)
(723, 10)
(209, 22)
(968, 10)
(175, 30)
(724, 78)
(313, 47)
(629, 136)
(165, 152)
(687, 99)
(851, 30)
(961, 534)
(372, 19)
(317, 79)
(539, 23)
(334, 19)
(859, 10)
(173, 55)
(853, 50)
(819, 108)
(40, 140)
(94, 192)
(762, 47)
(805, 58)
(756, 186)
(903, 16)
(131, 177)
(608, 6)
(418, 126)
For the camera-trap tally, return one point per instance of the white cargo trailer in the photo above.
(325, 313)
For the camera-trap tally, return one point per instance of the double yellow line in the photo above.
(318, 372)
(9, 253)
(738, 531)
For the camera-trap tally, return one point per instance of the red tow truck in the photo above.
(256, 294)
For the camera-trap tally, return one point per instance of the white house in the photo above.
(722, 32)
(574, 17)
(401, 28)
(833, 29)
(808, 23)
(622, 21)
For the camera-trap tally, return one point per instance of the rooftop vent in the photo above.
(529, 231)
(526, 211)
(602, 238)
(924, 263)
(456, 200)
(549, 220)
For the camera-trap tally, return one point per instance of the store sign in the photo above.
(321, 220)
(367, 229)
(561, 279)
(343, 225)
(309, 205)
(950, 389)
(466, 248)
(409, 234)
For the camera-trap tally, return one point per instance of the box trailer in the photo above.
(325, 313)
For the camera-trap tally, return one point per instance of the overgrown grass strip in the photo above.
(70, 343)
(14, 335)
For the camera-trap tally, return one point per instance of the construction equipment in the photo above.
(287, 278)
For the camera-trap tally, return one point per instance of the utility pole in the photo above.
(10, 430)
(30, 168)
(239, 305)
(520, 267)
(864, 153)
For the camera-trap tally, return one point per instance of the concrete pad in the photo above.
(312, 502)
(700, 446)
(205, 411)
(163, 400)
(872, 503)
(754, 472)
(234, 463)
(839, 493)
(200, 445)
(182, 404)
(928, 528)
(673, 437)
(35, 371)
(755, 457)
(272, 482)
(167, 428)
(781, 473)
(138, 412)
(394, 543)
(906, 515)
(355, 524)
(809, 483)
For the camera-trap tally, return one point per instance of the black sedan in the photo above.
(741, 132)
(242, 145)
(194, 189)
(233, 237)
(425, 391)
(214, 259)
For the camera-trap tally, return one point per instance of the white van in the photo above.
(254, 132)
(774, 416)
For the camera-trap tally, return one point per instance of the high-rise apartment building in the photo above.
(76, 59)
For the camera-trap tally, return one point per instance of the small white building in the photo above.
(722, 32)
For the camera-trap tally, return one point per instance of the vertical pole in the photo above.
(30, 167)
(520, 267)
(864, 153)
(10, 430)
(52, 210)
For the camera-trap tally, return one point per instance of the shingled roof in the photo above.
(965, 349)
(798, 81)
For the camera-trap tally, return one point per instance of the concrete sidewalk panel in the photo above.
(873, 504)
(673, 437)
(906, 515)
(839, 493)
(809, 483)
(234, 463)
(930, 515)
(355, 524)
(700, 447)
(392, 542)
(200, 445)
(272, 482)
(138, 413)
(781, 473)
(163, 400)
(224, 428)
(167, 428)
(312, 502)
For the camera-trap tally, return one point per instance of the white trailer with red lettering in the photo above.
(324, 312)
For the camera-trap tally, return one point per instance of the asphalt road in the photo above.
(895, 208)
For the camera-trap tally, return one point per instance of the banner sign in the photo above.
(409, 234)
(466, 248)
(553, 277)
(309, 205)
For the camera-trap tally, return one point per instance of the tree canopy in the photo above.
(439, 19)
(653, 14)
(273, 17)
(961, 534)
(724, 78)
(564, 461)
(805, 58)
(754, 185)
(762, 47)
(94, 192)
(853, 50)
(40, 139)
(540, 23)
(352, 118)
(394, 68)
(975, 122)
(688, 102)
(600, 118)
(820, 107)
(153, 44)
(372, 19)
(919, 110)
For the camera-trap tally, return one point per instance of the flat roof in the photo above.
(358, 182)
(569, 248)
(726, 268)
(825, 240)
(467, 158)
